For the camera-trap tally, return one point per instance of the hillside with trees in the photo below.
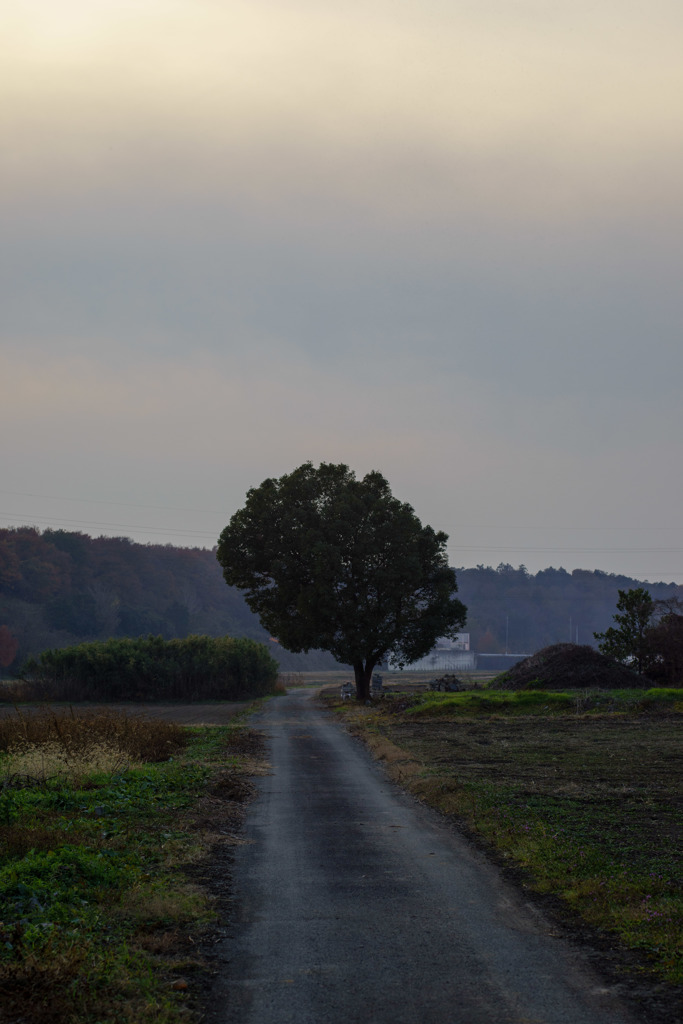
(59, 588)
(515, 610)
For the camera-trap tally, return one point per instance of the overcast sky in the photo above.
(438, 238)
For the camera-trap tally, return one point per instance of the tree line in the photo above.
(511, 609)
(59, 588)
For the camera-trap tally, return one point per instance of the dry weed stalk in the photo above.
(43, 762)
(136, 738)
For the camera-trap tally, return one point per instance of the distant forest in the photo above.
(515, 610)
(58, 588)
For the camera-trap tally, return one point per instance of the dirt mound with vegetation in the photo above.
(568, 667)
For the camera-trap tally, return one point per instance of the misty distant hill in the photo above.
(514, 610)
(58, 588)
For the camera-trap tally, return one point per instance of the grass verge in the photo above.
(586, 800)
(101, 820)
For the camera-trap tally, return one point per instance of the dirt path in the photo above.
(355, 904)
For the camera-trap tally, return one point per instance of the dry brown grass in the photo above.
(134, 738)
(285, 681)
(17, 840)
(37, 763)
(155, 909)
(38, 984)
(241, 740)
(398, 764)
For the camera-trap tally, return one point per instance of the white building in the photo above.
(447, 656)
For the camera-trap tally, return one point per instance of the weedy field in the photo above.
(581, 790)
(104, 821)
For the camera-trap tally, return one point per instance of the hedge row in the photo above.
(151, 668)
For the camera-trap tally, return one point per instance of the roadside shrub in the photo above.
(151, 668)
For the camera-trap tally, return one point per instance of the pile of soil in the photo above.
(568, 667)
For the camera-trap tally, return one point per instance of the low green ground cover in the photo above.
(540, 702)
(581, 790)
(96, 908)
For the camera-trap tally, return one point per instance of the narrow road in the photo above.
(356, 904)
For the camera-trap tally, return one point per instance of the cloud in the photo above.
(260, 403)
(589, 314)
(407, 110)
(507, 480)
(438, 239)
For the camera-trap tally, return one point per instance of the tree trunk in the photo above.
(363, 674)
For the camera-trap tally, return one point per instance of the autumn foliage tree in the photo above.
(665, 639)
(488, 643)
(9, 645)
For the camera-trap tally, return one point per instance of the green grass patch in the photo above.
(490, 702)
(536, 702)
(93, 882)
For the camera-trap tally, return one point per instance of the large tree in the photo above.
(331, 562)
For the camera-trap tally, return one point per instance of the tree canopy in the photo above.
(648, 634)
(627, 641)
(665, 641)
(331, 562)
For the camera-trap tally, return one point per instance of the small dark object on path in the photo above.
(568, 666)
(447, 683)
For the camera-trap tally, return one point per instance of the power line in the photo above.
(595, 529)
(121, 504)
(497, 548)
(215, 512)
(88, 524)
(567, 550)
(205, 535)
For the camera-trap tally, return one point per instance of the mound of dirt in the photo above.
(568, 667)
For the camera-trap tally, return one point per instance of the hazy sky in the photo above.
(438, 238)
